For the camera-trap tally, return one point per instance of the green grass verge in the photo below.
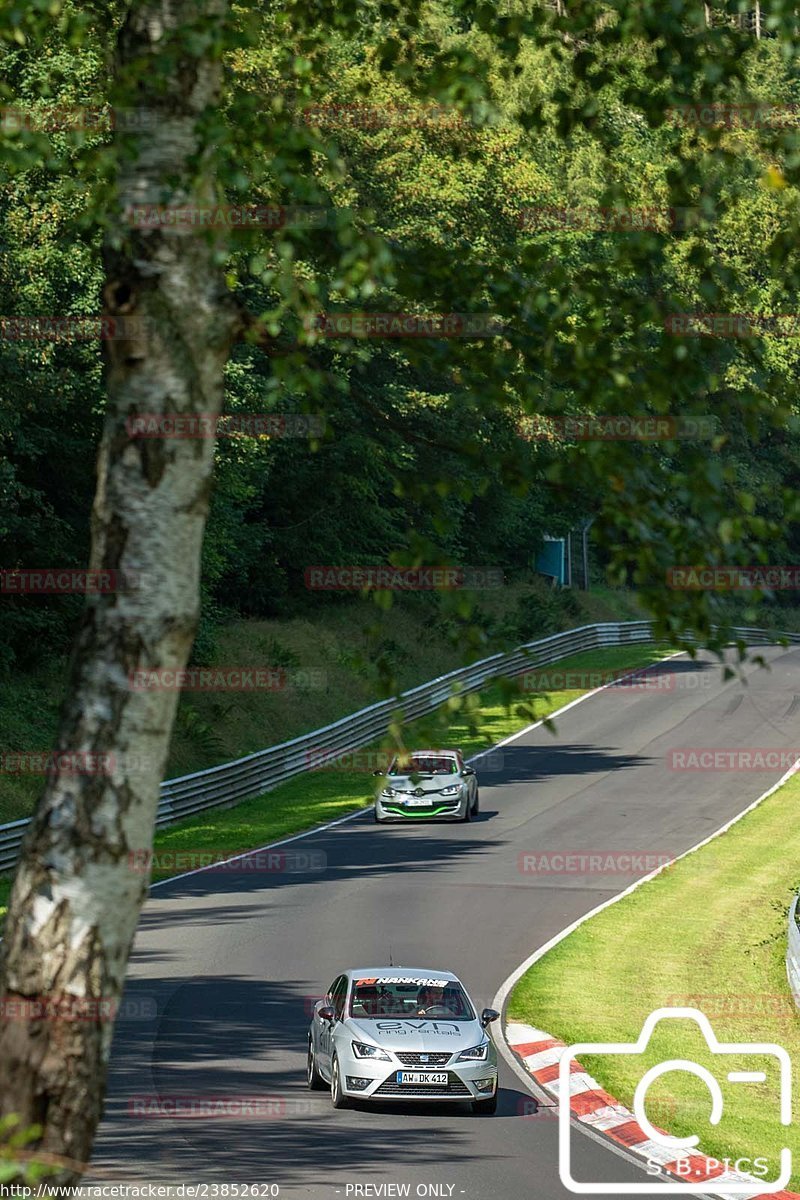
(320, 796)
(708, 933)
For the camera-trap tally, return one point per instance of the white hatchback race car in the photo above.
(391, 1033)
(428, 783)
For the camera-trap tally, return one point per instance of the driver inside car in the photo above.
(446, 1000)
(429, 997)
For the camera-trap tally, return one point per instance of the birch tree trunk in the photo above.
(76, 900)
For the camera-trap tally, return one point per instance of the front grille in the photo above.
(428, 806)
(454, 1088)
(423, 1060)
(433, 797)
(440, 810)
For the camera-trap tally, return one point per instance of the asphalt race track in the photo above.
(231, 962)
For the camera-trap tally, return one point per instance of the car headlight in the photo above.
(364, 1050)
(388, 792)
(452, 791)
(474, 1054)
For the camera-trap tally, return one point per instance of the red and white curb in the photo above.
(537, 1055)
(540, 1054)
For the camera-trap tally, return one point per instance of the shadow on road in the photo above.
(242, 1042)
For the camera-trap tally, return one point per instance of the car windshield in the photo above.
(424, 765)
(394, 996)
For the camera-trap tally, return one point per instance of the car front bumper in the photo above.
(462, 1081)
(441, 808)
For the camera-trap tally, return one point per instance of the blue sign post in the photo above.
(552, 560)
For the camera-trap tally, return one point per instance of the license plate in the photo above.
(433, 1078)
(417, 802)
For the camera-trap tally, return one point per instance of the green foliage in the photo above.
(543, 612)
(423, 132)
(17, 1164)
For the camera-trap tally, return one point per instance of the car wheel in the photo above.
(476, 805)
(338, 1098)
(378, 819)
(467, 811)
(313, 1077)
(485, 1107)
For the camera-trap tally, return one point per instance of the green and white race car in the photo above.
(428, 784)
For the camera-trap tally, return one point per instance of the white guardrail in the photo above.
(247, 777)
(793, 951)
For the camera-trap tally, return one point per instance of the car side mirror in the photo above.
(488, 1015)
(468, 771)
(327, 1013)
(379, 773)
